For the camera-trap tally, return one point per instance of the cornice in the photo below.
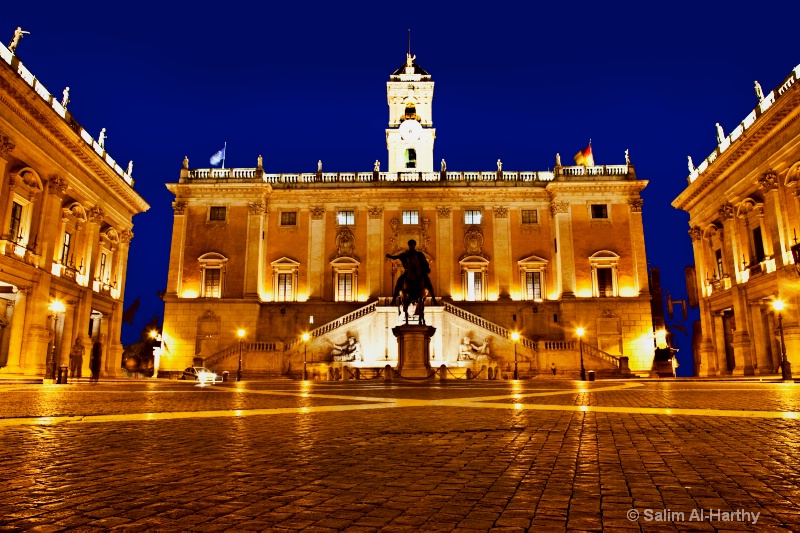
(754, 141)
(588, 187)
(35, 113)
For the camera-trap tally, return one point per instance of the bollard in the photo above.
(591, 375)
(443, 372)
(387, 372)
(225, 376)
(62, 375)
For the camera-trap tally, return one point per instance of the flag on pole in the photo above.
(219, 157)
(585, 157)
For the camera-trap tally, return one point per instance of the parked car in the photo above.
(201, 374)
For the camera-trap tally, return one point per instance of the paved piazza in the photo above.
(541, 455)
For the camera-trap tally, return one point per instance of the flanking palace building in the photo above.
(538, 253)
(744, 214)
(66, 209)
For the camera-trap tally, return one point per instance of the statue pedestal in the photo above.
(413, 350)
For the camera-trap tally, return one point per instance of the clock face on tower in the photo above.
(410, 130)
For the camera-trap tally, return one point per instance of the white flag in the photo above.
(217, 158)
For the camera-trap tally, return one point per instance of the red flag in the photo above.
(585, 157)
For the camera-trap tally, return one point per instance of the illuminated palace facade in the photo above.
(539, 253)
(66, 210)
(744, 215)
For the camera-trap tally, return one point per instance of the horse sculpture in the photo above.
(413, 291)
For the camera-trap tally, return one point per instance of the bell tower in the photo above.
(410, 135)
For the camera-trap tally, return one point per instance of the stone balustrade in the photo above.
(55, 104)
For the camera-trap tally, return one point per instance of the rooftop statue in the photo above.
(65, 97)
(558, 159)
(444, 166)
(101, 139)
(260, 162)
(319, 165)
(759, 91)
(410, 60)
(627, 157)
(186, 161)
(130, 168)
(691, 165)
(18, 33)
(377, 167)
(499, 165)
(720, 134)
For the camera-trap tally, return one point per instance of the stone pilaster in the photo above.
(637, 246)
(177, 246)
(253, 266)
(565, 255)
(502, 251)
(14, 363)
(774, 216)
(374, 260)
(316, 254)
(444, 252)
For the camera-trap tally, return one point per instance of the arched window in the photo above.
(212, 275)
(604, 274)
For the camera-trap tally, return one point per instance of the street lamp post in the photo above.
(241, 334)
(786, 366)
(580, 332)
(306, 336)
(515, 338)
(56, 307)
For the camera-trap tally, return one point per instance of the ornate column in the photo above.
(707, 359)
(14, 365)
(6, 147)
(175, 274)
(445, 279)
(112, 364)
(254, 267)
(501, 242)
(67, 338)
(50, 224)
(761, 337)
(637, 245)
(565, 254)
(316, 254)
(774, 216)
(375, 252)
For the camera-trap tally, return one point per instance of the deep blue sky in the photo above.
(297, 82)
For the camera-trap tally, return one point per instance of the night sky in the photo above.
(298, 82)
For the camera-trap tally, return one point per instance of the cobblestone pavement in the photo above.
(367, 456)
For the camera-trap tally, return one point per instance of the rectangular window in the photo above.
(758, 245)
(533, 285)
(410, 217)
(345, 287)
(605, 282)
(212, 283)
(346, 218)
(14, 232)
(101, 275)
(599, 211)
(411, 158)
(217, 213)
(289, 218)
(474, 286)
(530, 216)
(285, 287)
(65, 248)
(472, 216)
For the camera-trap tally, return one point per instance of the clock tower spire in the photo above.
(410, 135)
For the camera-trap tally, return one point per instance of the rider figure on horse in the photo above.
(416, 267)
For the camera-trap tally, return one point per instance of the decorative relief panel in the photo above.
(769, 181)
(473, 242)
(345, 243)
(559, 207)
(726, 211)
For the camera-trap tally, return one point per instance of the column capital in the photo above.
(726, 211)
(317, 212)
(375, 211)
(557, 208)
(769, 181)
(696, 234)
(257, 208)
(179, 208)
(57, 186)
(500, 212)
(96, 215)
(6, 146)
(443, 211)
(636, 205)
